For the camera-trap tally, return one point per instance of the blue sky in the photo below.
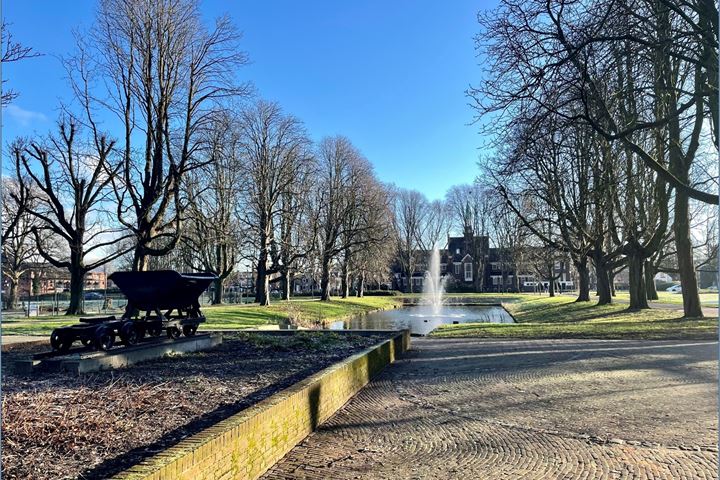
(390, 76)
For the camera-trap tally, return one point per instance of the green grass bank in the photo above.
(304, 312)
(562, 317)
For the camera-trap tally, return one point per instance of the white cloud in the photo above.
(24, 118)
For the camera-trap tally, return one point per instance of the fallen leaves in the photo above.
(63, 427)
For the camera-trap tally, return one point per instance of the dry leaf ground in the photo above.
(57, 426)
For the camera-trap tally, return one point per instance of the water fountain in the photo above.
(434, 284)
(432, 312)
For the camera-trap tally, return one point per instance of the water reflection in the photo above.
(422, 320)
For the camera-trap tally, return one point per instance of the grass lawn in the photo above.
(561, 317)
(706, 299)
(304, 312)
(221, 317)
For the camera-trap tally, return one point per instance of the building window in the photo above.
(457, 269)
(468, 272)
(443, 267)
(496, 279)
(457, 251)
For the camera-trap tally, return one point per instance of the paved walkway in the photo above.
(548, 409)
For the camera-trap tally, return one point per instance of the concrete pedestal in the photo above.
(86, 362)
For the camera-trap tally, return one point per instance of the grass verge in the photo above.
(561, 317)
(303, 312)
(706, 299)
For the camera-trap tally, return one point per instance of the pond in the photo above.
(421, 320)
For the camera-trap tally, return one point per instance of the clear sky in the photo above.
(389, 75)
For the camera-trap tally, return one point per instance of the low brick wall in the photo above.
(248, 443)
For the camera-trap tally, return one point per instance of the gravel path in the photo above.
(547, 409)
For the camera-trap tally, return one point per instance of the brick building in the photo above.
(42, 279)
(473, 266)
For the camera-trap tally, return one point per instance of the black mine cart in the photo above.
(152, 299)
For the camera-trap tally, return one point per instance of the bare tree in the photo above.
(274, 149)
(366, 227)
(12, 51)
(72, 179)
(372, 261)
(296, 232)
(18, 247)
(410, 222)
(346, 188)
(437, 225)
(165, 75)
(630, 70)
(213, 227)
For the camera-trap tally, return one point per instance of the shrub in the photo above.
(660, 286)
(381, 293)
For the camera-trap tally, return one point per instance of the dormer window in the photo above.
(457, 251)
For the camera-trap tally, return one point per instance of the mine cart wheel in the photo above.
(103, 338)
(129, 334)
(189, 330)
(141, 330)
(154, 331)
(59, 342)
(173, 332)
(87, 341)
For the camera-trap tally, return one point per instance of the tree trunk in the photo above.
(551, 283)
(77, 277)
(683, 244)
(583, 280)
(361, 285)
(140, 260)
(611, 278)
(12, 300)
(262, 283)
(345, 281)
(325, 280)
(650, 289)
(638, 295)
(604, 289)
(218, 293)
(286, 284)
(408, 282)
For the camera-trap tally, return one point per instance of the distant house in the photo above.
(473, 266)
(43, 279)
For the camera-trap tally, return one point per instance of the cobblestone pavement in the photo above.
(547, 409)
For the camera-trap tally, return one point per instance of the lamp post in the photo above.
(30, 291)
(105, 299)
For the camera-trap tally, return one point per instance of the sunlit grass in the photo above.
(302, 311)
(562, 317)
(307, 312)
(706, 299)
